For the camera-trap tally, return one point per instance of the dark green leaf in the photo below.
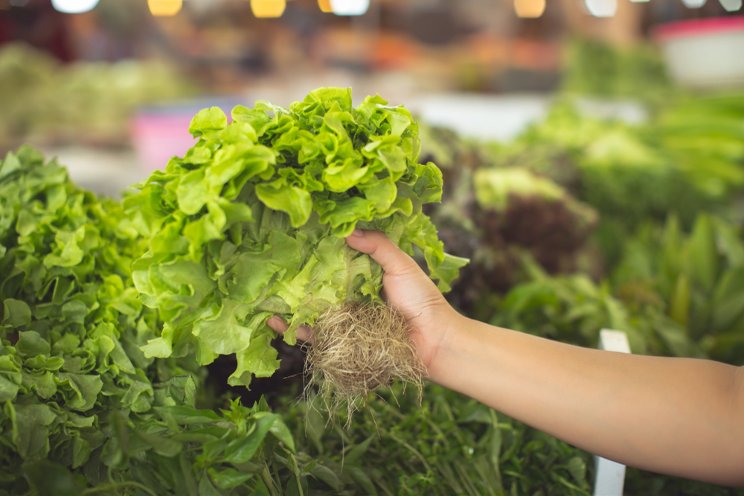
(229, 478)
(16, 312)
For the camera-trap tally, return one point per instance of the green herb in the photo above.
(442, 444)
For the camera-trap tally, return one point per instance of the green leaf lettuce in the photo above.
(250, 222)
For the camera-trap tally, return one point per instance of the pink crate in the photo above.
(161, 132)
(158, 137)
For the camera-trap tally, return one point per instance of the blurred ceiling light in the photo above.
(601, 8)
(268, 8)
(164, 8)
(640, 1)
(349, 7)
(325, 6)
(529, 8)
(731, 5)
(693, 4)
(74, 6)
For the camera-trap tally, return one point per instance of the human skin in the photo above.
(677, 416)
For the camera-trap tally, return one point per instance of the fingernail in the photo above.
(357, 233)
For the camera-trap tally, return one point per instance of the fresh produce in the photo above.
(520, 208)
(669, 283)
(25, 75)
(497, 214)
(83, 410)
(101, 389)
(250, 222)
(695, 278)
(71, 321)
(573, 308)
(86, 398)
(670, 165)
(600, 70)
(442, 443)
(704, 137)
(55, 368)
(47, 103)
(604, 162)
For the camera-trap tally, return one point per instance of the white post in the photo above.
(610, 476)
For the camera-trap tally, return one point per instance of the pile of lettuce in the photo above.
(250, 222)
(80, 405)
(71, 322)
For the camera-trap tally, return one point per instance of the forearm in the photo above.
(678, 416)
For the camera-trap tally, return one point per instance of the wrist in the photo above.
(453, 329)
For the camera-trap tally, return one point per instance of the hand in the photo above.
(408, 289)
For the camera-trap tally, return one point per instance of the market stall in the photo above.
(179, 179)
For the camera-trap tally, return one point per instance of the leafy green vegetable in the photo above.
(495, 187)
(573, 309)
(685, 159)
(443, 443)
(495, 214)
(598, 69)
(251, 220)
(705, 138)
(695, 278)
(250, 223)
(82, 408)
(46, 102)
(71, 322)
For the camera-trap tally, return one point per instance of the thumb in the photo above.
(393, 260)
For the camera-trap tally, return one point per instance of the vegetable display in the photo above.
(497, 212)
(109, 310)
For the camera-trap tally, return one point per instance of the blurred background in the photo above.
(109, 86)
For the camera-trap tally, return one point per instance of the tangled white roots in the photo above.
(359, 347)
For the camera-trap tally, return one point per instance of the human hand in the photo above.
(407, 289)
(410, 291)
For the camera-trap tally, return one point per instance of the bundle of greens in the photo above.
(704, 136)
(531, 213)
(513, 214)
(599, 69)
(250, 223)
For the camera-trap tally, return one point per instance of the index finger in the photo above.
(279, 326)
